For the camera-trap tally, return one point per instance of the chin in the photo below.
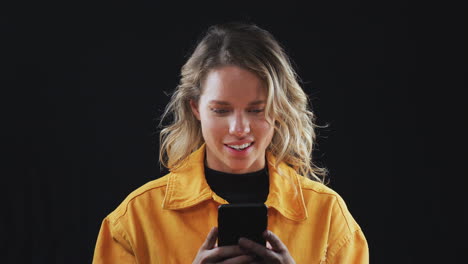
(239, 166)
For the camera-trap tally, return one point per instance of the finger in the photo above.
(225, 252)
(274, 241)
(210, 239)
(244, 259)
(256, 248)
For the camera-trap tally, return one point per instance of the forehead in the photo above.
(233, 84)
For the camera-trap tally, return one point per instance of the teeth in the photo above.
(238, 147)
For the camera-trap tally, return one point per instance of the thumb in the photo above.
(274, 241)
(210, 239)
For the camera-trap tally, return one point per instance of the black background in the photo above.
(84, 83)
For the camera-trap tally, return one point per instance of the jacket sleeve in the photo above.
(348, 243)
(353, 250)
(112, 245)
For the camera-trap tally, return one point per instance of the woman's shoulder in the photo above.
(315, 186)
(149, 193)
(317, 191)
(321, 196)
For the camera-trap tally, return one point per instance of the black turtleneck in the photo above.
(250, 187)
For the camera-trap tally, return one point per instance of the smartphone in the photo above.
(247, 220)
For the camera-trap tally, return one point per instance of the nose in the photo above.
(239, 125)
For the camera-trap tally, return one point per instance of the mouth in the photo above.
(240, 147)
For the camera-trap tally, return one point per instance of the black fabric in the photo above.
(239, 188)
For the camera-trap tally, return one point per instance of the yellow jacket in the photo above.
(167, 220)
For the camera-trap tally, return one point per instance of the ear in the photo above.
(194, 106)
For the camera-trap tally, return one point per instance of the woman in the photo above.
(241, 132)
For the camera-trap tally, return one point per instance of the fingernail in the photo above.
(243, 240)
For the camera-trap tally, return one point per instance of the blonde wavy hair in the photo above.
(252, 48)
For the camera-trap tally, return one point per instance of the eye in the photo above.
(219, 111)
(256, 110)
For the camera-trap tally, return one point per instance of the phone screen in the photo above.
(241, 220)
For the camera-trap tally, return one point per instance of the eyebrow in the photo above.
(227, 103)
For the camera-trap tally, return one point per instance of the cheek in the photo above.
(212, 127)
(265, 131)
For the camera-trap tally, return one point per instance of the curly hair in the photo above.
(255, 49)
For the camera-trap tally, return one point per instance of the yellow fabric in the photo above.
(167, 220)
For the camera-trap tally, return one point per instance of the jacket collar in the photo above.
(187, 187)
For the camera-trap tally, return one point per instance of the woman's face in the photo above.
(231, 110)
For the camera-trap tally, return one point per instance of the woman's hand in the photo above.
(275, 251)
(210, 253)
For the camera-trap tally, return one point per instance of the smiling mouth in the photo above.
(240, 147)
